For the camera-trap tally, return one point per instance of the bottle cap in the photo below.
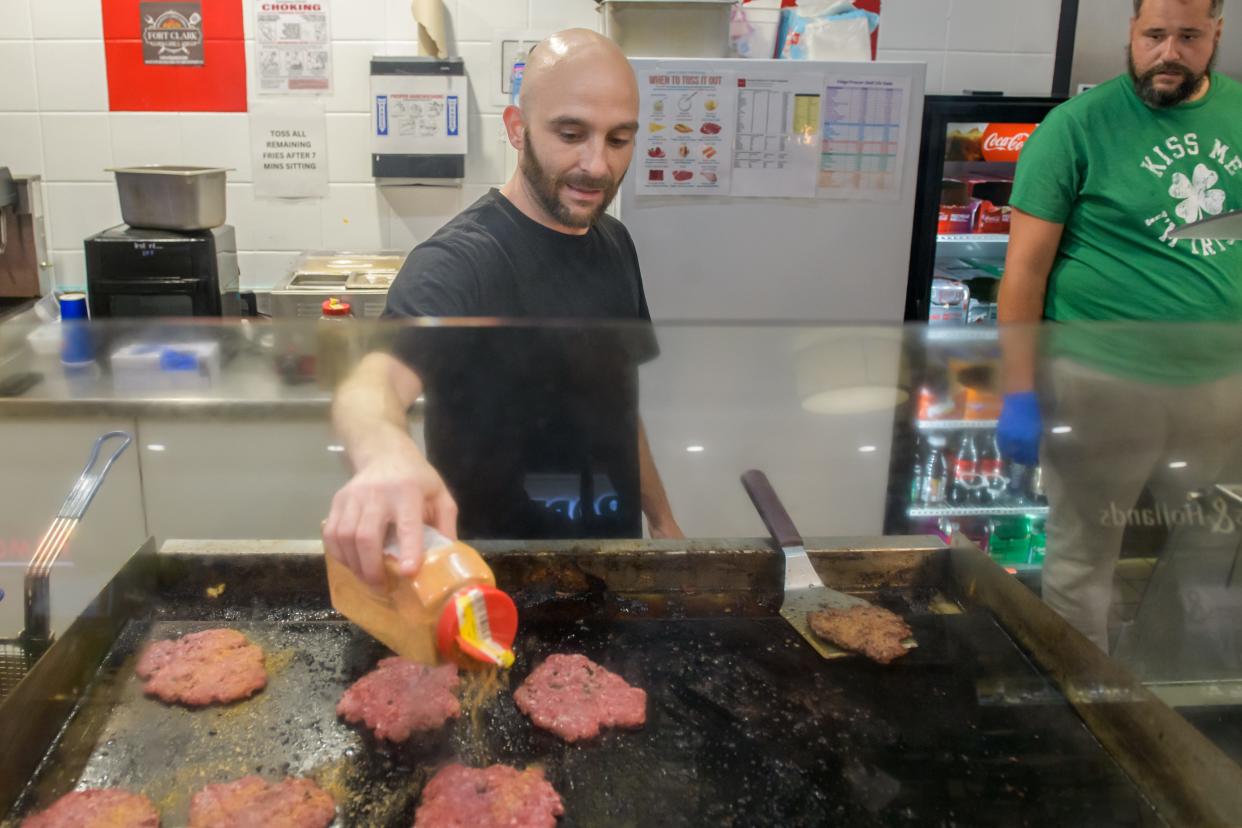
(335, 307)
(478, 624)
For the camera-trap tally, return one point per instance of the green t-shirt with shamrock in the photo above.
(1120, 176)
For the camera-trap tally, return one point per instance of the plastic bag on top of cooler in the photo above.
(826, 30)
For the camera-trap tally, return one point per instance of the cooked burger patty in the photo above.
(495, 797)
(400, 697)
(97, 808)
(574, 697)
(209, 667)
(254, 802)
(872, 631)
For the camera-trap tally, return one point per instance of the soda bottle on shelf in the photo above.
(1039, 540)
(1035, 487)
(1015, 489)
(1011, 541)
(992, 481)
(965, 472)
(935, 473)
(915, 495)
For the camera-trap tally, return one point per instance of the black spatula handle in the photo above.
(770, 508)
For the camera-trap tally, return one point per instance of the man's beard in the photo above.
(1145, 86)
(547, 189)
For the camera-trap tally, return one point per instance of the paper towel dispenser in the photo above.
(418, 118)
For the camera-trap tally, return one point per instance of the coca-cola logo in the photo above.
(1005, 143)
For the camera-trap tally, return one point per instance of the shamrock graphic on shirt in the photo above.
(1197, 197)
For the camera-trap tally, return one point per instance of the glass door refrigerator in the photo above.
(947, 474)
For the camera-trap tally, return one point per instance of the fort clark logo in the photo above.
(172, 34)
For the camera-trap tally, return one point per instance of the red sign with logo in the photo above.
(1004, 142)
(149, 82)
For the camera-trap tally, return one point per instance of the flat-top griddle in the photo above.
(747, 725)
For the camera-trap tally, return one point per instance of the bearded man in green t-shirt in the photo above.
(1100, 188)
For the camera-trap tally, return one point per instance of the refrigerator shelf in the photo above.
(977, 511)
(963, 333)
(955, 425)
(955, 245)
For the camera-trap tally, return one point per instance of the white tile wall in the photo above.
(1030, 74)
(349, 158)
(146, 138)
(548, 16)
(77, 146)
(934, 60)
(483, 20)
(66, 19)
(76, 211)
(18, 91)
(915, 24)
(217, 139)
(355, 217)
(14, 20)
(72, 75)
(364, 20)
(21, 143)
(975, 72)
(54, 114)
(399, 20)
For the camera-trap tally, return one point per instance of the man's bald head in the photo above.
(576, 55)
(574, 129)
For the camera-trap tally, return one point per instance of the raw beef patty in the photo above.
(209, 667)
(96, 808)
(574, 697)
(872, 631)
(254, 802)
(399, 698)
(495, 797)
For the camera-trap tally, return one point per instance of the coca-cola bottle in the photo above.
(935, 473)
(965, 472)
(991, 472)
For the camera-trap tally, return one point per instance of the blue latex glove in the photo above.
(1020, 427)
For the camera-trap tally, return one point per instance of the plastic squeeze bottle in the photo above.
(449, 611)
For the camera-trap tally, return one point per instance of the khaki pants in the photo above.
(1125, 434)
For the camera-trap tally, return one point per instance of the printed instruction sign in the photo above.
(865, 131)
(777, 148)
(293, 47)
(289, 152)
(419, 114)
(686, 129)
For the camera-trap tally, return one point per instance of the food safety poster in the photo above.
(293, 47)
(686, 132)
(865, 132)
(777, 148)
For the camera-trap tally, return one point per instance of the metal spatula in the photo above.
(804, 590)
(1226, 226)
(17, 656)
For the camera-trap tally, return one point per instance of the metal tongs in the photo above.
(37, 633)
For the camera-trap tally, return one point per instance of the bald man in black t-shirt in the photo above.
(532, 431)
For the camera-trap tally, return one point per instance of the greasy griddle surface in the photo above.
(746, 726)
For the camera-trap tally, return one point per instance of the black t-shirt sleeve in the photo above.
(437, 279)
